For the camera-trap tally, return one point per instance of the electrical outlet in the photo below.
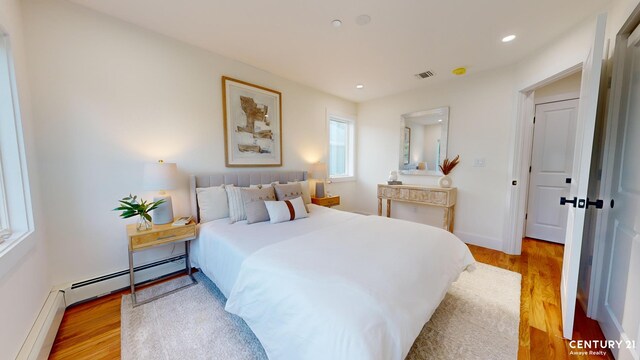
(478, 162)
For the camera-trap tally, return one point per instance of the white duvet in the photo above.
(362, 289)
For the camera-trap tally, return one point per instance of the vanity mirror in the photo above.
(423, 141)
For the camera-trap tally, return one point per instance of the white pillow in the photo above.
(236, 204)
(287, 210)
(212, 202)
(306, 192)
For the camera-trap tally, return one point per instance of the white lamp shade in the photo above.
(319, 170)
(160, 176)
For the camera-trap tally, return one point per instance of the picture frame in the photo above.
(406, 155)
(252, 124)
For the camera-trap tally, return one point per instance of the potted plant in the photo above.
(130, 207)
(447, 166)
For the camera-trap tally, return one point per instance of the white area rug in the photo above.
(478, 319)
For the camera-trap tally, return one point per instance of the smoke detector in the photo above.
(424, 75)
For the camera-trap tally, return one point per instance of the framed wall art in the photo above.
(252, 124)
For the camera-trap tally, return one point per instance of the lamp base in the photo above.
(320, 189)
(163, 214)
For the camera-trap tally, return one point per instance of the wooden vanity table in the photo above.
(422, 195)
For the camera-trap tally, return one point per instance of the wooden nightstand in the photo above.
(328, 201)
(159, 235)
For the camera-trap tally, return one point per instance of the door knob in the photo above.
(598, 203)
(564, 201)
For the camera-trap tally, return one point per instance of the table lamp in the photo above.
(319, 172)
(161, 176)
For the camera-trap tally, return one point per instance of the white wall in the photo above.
(110, 96)
(571, 48)
(24, 279)
(481, 111)
(562, 89)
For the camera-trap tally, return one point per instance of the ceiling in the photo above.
(295, 39)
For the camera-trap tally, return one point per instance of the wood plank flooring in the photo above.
(540, 316)
(92, 330)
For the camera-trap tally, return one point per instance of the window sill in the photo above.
(342, 179)
(13, 249)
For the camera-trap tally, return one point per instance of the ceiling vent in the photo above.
(424, 75)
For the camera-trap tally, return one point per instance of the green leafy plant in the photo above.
(131, 206)
(448, 165)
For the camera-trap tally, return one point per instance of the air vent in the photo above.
(424, 75)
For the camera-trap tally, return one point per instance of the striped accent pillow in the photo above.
(287, 210)
(237, 211)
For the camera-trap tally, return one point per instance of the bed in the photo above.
(335, 285)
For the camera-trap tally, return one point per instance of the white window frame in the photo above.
(16, 213)
(5, 224)
(351, 146)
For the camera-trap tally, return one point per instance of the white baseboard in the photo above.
(43, 333)
(475, 239)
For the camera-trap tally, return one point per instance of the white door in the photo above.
(576, 203)
(619, 300)
(554, 137)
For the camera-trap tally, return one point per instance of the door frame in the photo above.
(521, 146)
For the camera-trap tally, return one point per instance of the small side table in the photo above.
(328, 201)
(159, 235)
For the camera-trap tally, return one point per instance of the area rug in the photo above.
(478, 319)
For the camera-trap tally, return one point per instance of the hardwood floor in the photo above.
(92, 330)
(540, 316)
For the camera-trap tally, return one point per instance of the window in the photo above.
(16, 220)
(341, 148)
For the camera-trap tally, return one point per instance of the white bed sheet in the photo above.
(221, 247)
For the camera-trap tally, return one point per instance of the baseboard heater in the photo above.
(43, 333)
(90, 289)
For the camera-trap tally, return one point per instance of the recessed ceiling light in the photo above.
(363, 19)
(359, 86)
(336, 23)
(439, 120)
(508, 38)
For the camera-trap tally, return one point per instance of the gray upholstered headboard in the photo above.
(238, 179)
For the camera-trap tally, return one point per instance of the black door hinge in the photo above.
(529, 168)
(534, 119)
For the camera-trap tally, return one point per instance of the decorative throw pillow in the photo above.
(212, 202)
(306, 193)
(262, 186)
(236, 205)
(288, 191)
(254, 203)
(287, 210)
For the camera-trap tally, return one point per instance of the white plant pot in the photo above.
(445, 181)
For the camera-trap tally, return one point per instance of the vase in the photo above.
(143, 224)
(445, 181)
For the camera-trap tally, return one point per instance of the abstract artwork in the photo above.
(252, 124)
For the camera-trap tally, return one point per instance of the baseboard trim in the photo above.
(475, 239)
(43, 333)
